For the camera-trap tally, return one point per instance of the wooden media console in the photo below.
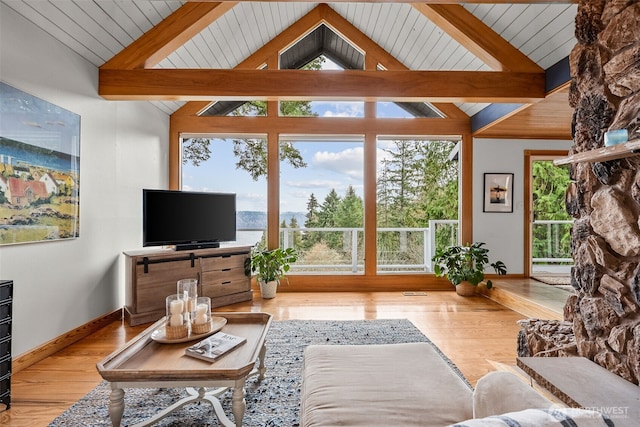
(151, 275)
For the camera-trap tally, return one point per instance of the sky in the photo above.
(334, 164)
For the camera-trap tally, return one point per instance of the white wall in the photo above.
(61, 285)
(503, 233)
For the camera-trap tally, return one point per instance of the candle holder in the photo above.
(188, 291)
(201, 322)
(176, 326)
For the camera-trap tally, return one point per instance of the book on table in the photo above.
(215, 346)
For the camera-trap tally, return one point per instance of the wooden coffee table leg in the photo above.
(116, 405)
(261, 366)
(238, 404)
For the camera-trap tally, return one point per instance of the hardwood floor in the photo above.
(475, 332)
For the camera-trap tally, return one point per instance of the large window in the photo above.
(416, 202)
(321, 204)
(208, 164)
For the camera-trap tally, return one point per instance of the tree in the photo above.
(312, 212)
(350, 212)
(398, 183)
(549, 185)
(327, 219)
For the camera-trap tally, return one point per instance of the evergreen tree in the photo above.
(350, 214)
(350, 211)
(327, 219)
(312, 212)
(400, 182)
(549, 187)
(327, 214)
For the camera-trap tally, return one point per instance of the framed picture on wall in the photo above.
(39, 169)
(498, 192)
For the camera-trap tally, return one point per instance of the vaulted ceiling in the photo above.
(504, 65)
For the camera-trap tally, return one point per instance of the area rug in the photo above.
(272, 402)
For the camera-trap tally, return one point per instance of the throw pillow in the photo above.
(553, 417)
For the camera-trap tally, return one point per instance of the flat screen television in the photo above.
(189, 220)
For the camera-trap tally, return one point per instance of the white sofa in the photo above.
(412, 385)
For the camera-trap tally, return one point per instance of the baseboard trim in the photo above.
(45, 350)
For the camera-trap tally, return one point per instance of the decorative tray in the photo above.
(216, 324)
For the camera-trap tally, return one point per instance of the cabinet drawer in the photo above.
(5, 329)
(227, 288)
(5, 291)
(216, 277)
(5, 384)
(5, 347)
(5, 365)
(5, 310)
(223, 262)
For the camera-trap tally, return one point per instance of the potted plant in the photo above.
(270, 266)
(464, 266)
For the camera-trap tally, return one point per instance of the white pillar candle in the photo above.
(201, 319)
(201, 309)
(175, 320)
(175, 307)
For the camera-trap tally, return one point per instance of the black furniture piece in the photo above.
(6, 300)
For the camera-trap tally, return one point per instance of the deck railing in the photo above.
(401, 249)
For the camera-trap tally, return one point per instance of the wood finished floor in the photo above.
(475, 332)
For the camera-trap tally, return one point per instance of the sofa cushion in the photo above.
(381, 385)
(552, 417)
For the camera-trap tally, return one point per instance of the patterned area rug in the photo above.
(273, 402)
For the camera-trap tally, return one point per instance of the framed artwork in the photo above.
(39, 169)
(498, 192)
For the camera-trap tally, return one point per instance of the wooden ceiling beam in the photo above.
(478, 38)
(163, 39)
(211, 125)
(409, 86)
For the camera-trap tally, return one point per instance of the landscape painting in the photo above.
(39, 169)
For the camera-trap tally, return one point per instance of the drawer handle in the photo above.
(225, 269)
(227, 282)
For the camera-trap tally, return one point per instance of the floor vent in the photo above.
(414, 294)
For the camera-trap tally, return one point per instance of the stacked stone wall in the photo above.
(602, 320)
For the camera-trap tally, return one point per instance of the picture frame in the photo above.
(498, 192)
(39, 169)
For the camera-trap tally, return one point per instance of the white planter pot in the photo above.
(268, 289)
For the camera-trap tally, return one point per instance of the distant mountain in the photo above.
(258, 219)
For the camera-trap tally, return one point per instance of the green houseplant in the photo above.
(270, 266)
(465, 264)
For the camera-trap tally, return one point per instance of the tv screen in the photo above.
(188, 220)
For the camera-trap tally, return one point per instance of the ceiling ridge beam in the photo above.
(478, 38)
(167, 36)
(411, 86)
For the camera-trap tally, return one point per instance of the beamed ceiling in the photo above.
(503, 66)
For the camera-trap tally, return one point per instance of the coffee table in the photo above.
(146, 363)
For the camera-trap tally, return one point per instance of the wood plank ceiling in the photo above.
(458, 42)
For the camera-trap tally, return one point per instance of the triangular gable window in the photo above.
(323, 42)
